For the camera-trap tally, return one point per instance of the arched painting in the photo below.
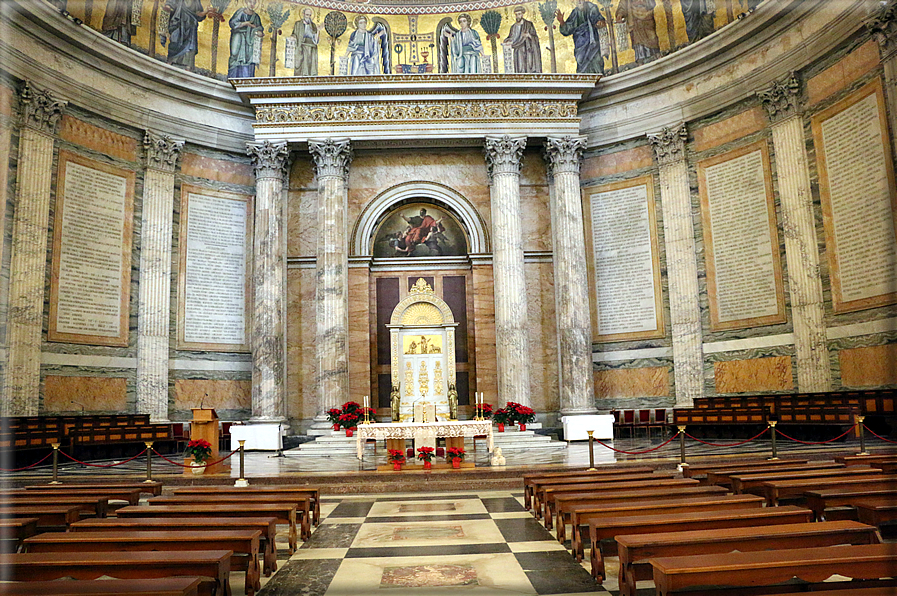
(420, 230)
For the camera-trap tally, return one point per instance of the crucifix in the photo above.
(412, 38)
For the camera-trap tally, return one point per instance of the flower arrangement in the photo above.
(349, 415)
(200, 450)
(454, 453)
(349, 419)
(396, 456)
(425, 453)
(520, 414)
(484, 411)
(333, 415)
(501, 416)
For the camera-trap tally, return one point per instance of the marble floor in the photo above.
(479, 543)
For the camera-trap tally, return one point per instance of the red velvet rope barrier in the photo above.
(665, 443)
(877, 436)
(727, 444)
(209, 463)
(84, 463)
(816, 442)
(28, 467)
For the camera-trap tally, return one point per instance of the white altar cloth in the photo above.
(423, 430)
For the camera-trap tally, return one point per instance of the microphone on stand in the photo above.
(78, 404)
(202, 401)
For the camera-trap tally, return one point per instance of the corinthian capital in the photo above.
(564, 154)
(40, 110)
(669, 145)
(781, 100)
(332, 158)
(503, 154)
(161, 151)
(269, 159)
(884, 27)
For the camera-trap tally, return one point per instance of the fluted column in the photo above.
(571, 295)
(682, 268)
(511, 342)
(798, 223)
(154, 303)
(332, 159)
(40, 113)
(268, 279)
(884, 27)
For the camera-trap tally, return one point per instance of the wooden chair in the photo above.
(628, 421)
(644, 422)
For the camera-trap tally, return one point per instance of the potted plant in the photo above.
(333, 415)
(520, 414)
(483, 411)
(426, 454)
(455, 455)
(349, 421)
(396, 458)
(501, 417)
(200, 450)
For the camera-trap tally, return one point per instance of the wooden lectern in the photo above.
(205, 426)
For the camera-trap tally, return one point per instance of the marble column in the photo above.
(884, 27)
(511, 342)
(41, 113)
(682, 268)
(269, 282)
(798, 223)
(571, 285)
(154, 301)
(332, 159)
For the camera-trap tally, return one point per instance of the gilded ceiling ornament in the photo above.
(40, 110)
(161, 151)
(269, 159)
(564, 154)
(782, 99)
(332, 158)
(669, 145)
(504, 154)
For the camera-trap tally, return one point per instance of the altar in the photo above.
(423, 431)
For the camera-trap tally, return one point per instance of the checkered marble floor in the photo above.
(481, 543)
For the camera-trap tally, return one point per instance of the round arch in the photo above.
(437, 193)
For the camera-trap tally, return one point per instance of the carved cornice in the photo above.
(782, 99)
(161, 152)
(332, 158)
(269, 159)
(40, 110)
(564, 154)
(669, 144)
(884, 27)
(504, 154)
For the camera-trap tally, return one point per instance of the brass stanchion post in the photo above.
(591, 449)
(241, 481)
(682, 463)
(772, 428)
(149, 461)
(55, 464)
(861, 430)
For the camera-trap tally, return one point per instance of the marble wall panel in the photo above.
(535, 218)
(609, 164)
(96, 394)
(99, 139)
(301, 402)
(360, 334)
(844, 72)
(871, 366)
(217, 394)
(302, 209)
(730, 129)
(651, 381)
(756, 374)
(542, 335)
(484, 332)
(219, 170)
(7, 100)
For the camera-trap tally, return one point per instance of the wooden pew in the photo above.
(50, 517)
(701, 469)
(842, 496)
(635, 550)
(17, 530)
(601, 529)
(582, 514)
(211, 565)
(776, 490)
(730, 571)
(280, 490)
(754, 482)
(866, 460)
(131, 495)
(164, 586)
(540, 489)
(851, 591)
(301, 503)
(530, 479)
(153, 487)
(661, 493)
(243, 543)
(266, 525)
(723, 477)
(98, 506)
(876, 511)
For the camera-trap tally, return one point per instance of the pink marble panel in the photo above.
(429, 576)
(95, 394)
(542, 335)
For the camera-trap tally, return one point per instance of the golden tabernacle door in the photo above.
(422, 340)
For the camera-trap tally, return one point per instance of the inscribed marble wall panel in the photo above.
(484, 330)
(616, 163)
(730, 129)
(96, 138)
(301, 400)
(219, 170)
(360, 334)
(756, 374)
(844, 72)
(96, 394)
(542, 334)
(633, 382)
(871, 366)
(217, 394)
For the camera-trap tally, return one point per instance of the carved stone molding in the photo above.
(669, 144)
(40, 110)
(161, 152)
(504, 154)
(269, 159)
(782, 99)
(332, 158)
(884, 27)
(564, 154)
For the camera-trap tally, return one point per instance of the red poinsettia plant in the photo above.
(454, 452)
(333, 415)
(484, 410)
(502, 416)
(425, 453)
(520, 414)
(199, 449)
(396, 456)
(348, 419)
